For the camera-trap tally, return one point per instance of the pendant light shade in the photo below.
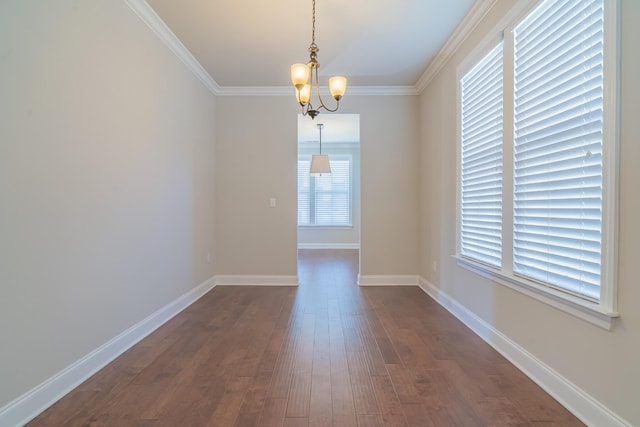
(320, 165)
(320, 162)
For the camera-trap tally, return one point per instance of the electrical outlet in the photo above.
(435, 266)
(272, 202)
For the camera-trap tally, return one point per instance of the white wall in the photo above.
(604, 364)
(106, 182)
(257, 157)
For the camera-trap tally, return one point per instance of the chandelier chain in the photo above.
(313, 25)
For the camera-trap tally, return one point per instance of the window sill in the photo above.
(326, 227)
(578, 307)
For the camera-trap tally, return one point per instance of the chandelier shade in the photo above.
(304, 94)
(300, 75)
(337, 87)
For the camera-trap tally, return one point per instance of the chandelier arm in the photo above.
(317, 84)
(330, 110)
(308, 105)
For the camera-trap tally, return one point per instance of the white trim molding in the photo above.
(576, 306)
(146, 13)
(289, 90)
(29, 405)
(462, 31)
(328, 245)
(387, 280)
(577, 401)
(384, 90)
(164, 33)
(238, 280)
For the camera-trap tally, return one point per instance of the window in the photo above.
(325, 200)
(481, 166)
(558, 146)
(549, 230)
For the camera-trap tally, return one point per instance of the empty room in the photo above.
(319, 213)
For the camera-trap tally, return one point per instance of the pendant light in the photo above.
(320, 162)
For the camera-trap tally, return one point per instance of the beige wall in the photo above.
(389, 184)
(604, 364)
(256, 159)
(106, 182)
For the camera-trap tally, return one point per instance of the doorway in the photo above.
(329, 205)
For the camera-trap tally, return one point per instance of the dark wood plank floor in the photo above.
(325, 354)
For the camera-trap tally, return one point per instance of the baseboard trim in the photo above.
(238, 280)
(387, 280)
(577, 401)
(29, 405)
(328, 246)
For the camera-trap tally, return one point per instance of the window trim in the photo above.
(604, 312)
(327, 227)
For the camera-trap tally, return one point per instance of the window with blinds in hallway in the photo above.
(325, 200)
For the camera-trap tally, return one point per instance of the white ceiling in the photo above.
(252, 43)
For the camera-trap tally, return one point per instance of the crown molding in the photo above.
(142, 9)
(460, 34)
(256, 91)
(384, 90)
(289, 91)
(160, 29)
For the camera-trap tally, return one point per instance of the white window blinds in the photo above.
(325, 200)
(304, 186)
(332, 201)
(558, 145)
(481, 161)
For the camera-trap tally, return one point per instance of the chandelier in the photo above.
(305, 79)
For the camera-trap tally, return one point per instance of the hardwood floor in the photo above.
(327, 353)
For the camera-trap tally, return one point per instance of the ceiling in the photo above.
(252, 43)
